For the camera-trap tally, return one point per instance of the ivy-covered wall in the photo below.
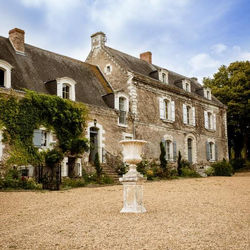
(19, 117)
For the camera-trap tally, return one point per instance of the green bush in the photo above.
(238, 163)
(209, 171)
(122, 169)
(222, 168)
(150, 174)
(105, 179)
(73, 183)
(188, 172)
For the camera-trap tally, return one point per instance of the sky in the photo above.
(191, 37)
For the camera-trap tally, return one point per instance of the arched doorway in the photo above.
(190, 150)
(94, 143)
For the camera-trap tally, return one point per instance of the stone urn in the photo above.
(132, 181)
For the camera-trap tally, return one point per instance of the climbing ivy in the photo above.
(20, 116)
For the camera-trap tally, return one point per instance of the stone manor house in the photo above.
(127, 97)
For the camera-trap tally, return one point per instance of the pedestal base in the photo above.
(132, 198)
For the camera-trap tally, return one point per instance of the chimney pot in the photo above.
(16, 37)
(146, 56)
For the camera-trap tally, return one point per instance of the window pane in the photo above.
(65, 93)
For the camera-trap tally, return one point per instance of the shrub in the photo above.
(188, 172)
(97, 164)
(209, 171)
(173, 174)
(73, 183)
(142, 166)
(222, 168)
(106, 179)
(238, 163)
(163, 157)
(121, 169)
(179, 166)
(150, 174)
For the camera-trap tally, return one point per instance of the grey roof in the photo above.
(142, 67)
(38, 68)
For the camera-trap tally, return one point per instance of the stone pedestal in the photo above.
(132, 181)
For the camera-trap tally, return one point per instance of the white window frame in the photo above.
(194, 147)
(170, 107)
(207, 93)
(192, 117)
(64, 167)
(68, 81)
(213, 153)
(50, 142)
(186, 83)
(212, 121)
(171, 147)
(117, 98)
(6, 67)
(161, 78)
(106, 69)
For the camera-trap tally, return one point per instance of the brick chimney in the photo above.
(16, 37)
(98, 40)
(146, 56)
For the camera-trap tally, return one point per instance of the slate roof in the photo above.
(37, 67)
(148, 70)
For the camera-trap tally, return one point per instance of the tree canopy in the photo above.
(231, 85)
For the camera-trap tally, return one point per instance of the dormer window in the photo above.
(186, 85)
(66, 88)
(65, 91)
(5, 74)
(163, 76)
(207, 93)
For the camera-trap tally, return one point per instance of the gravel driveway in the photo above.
(202, 213)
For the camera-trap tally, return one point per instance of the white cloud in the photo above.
(219, 48)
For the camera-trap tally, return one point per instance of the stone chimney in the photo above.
(98, 40)
(16, 37)
(146, 56)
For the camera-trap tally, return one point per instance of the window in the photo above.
(170, 148)
(168, 155)
(122, 105)
(186, 85)
(5, 74)
(66, 88)
(108, 69)
(210, 120)
(190, 148)
(207, 93)
(164, 78)
(122, 110)
(188, 115)
(167, 109)
(211, 150)
(65, 91)
(42, 138)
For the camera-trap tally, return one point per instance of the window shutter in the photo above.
(216, 152)
(172, 111)
(214, 121)
(206, 119)
(174, 151)
(184, 114)
(37, 138)
(207, 151)
(162, 108)
(193, 111)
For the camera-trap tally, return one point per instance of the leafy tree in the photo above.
(179, 165)
(231, 85)
(163, 160)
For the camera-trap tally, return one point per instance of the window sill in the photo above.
(167, 121)
(212, 160)
(122, 125)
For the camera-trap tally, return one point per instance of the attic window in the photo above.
(108, 69)
(164, 78)
(5, 74)
(66, 88)
(186, 85)
(65, 91)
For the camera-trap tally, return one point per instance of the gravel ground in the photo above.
(203, 213)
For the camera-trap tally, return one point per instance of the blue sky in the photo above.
(191, 37)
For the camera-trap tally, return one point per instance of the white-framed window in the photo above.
(5, 74)
(64, 167)
(122, 105)
(108, 69)
(188, 114)
(186, 85)
(79, 167)
(43, 139)
(207, 93)
(210, 120)
(163, 76)
(211, 150)
(190, 148)
(167, 109)
(66, 88)
(1, 144)
(170, 147)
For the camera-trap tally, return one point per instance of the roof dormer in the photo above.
(207, 93)
(163, 75)
(186, 85)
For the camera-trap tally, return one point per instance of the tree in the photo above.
(231, 85)
(163, 160)
(98, 167)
